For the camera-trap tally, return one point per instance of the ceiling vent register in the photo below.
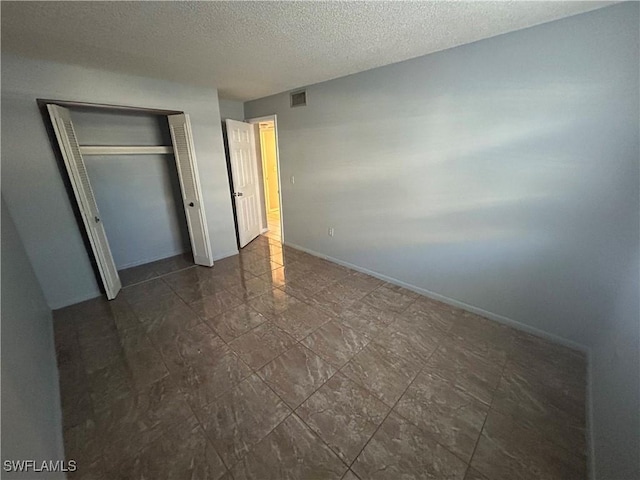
(299, 98)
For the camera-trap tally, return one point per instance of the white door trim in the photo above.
(274, 119)
(72, 152)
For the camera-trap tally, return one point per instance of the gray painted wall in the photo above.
(615, 384)
(32, 185)
(31, 414)
(502, 175)
(138, 195)
(232, 109)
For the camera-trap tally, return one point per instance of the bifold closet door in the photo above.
(187, 166)
(68, 142)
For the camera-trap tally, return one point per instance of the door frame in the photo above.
(254, 121)
(65, 175)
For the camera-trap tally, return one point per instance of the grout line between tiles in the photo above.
(293, 410)
(422, 430)
(174, 379)
(388, 413)
(493, 396)
(548, 438)
(255, 371)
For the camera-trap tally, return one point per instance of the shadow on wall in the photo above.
(445, 190)
(463, 174)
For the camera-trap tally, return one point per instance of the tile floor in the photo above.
(275, 364)
(148, 271)
(273, 223)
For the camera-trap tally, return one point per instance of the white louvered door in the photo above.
(244, 171)
(68, 142)
(184, 153)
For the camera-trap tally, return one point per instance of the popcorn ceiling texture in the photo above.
(250, 50)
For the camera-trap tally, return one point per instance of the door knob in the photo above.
(237, 194)
(191, 204)
(96, 218)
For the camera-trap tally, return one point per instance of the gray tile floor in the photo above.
(275, 364)
(273, 225)
(142, 273)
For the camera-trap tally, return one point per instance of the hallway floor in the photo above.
(273, 224)
(275, 364)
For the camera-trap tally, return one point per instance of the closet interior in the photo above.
(134, 177)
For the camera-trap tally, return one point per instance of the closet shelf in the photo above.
(124, 150)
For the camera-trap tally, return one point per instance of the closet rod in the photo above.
(124, 150)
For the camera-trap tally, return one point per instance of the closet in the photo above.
(134, 177)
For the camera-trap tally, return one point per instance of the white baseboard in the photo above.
(149, 260)
(78, 299)
(230, 253)
(451, 301)
(498, 318)
(591, 448)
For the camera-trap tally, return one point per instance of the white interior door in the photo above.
(66, 136)
(184, 153)
(245, 179)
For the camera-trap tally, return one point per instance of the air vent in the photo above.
(299, 99)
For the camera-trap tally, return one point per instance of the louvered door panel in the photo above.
(74, 163)
(187, 165)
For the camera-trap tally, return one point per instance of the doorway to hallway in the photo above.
(254, 169)
(273, 225)
(270, 179)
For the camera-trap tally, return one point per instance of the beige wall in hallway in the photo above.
(270, 168)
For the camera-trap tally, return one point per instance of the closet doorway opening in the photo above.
(133, 180)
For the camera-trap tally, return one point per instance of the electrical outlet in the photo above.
(331, 231)
(293, 179)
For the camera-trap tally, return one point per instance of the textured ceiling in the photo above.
(253, 49)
